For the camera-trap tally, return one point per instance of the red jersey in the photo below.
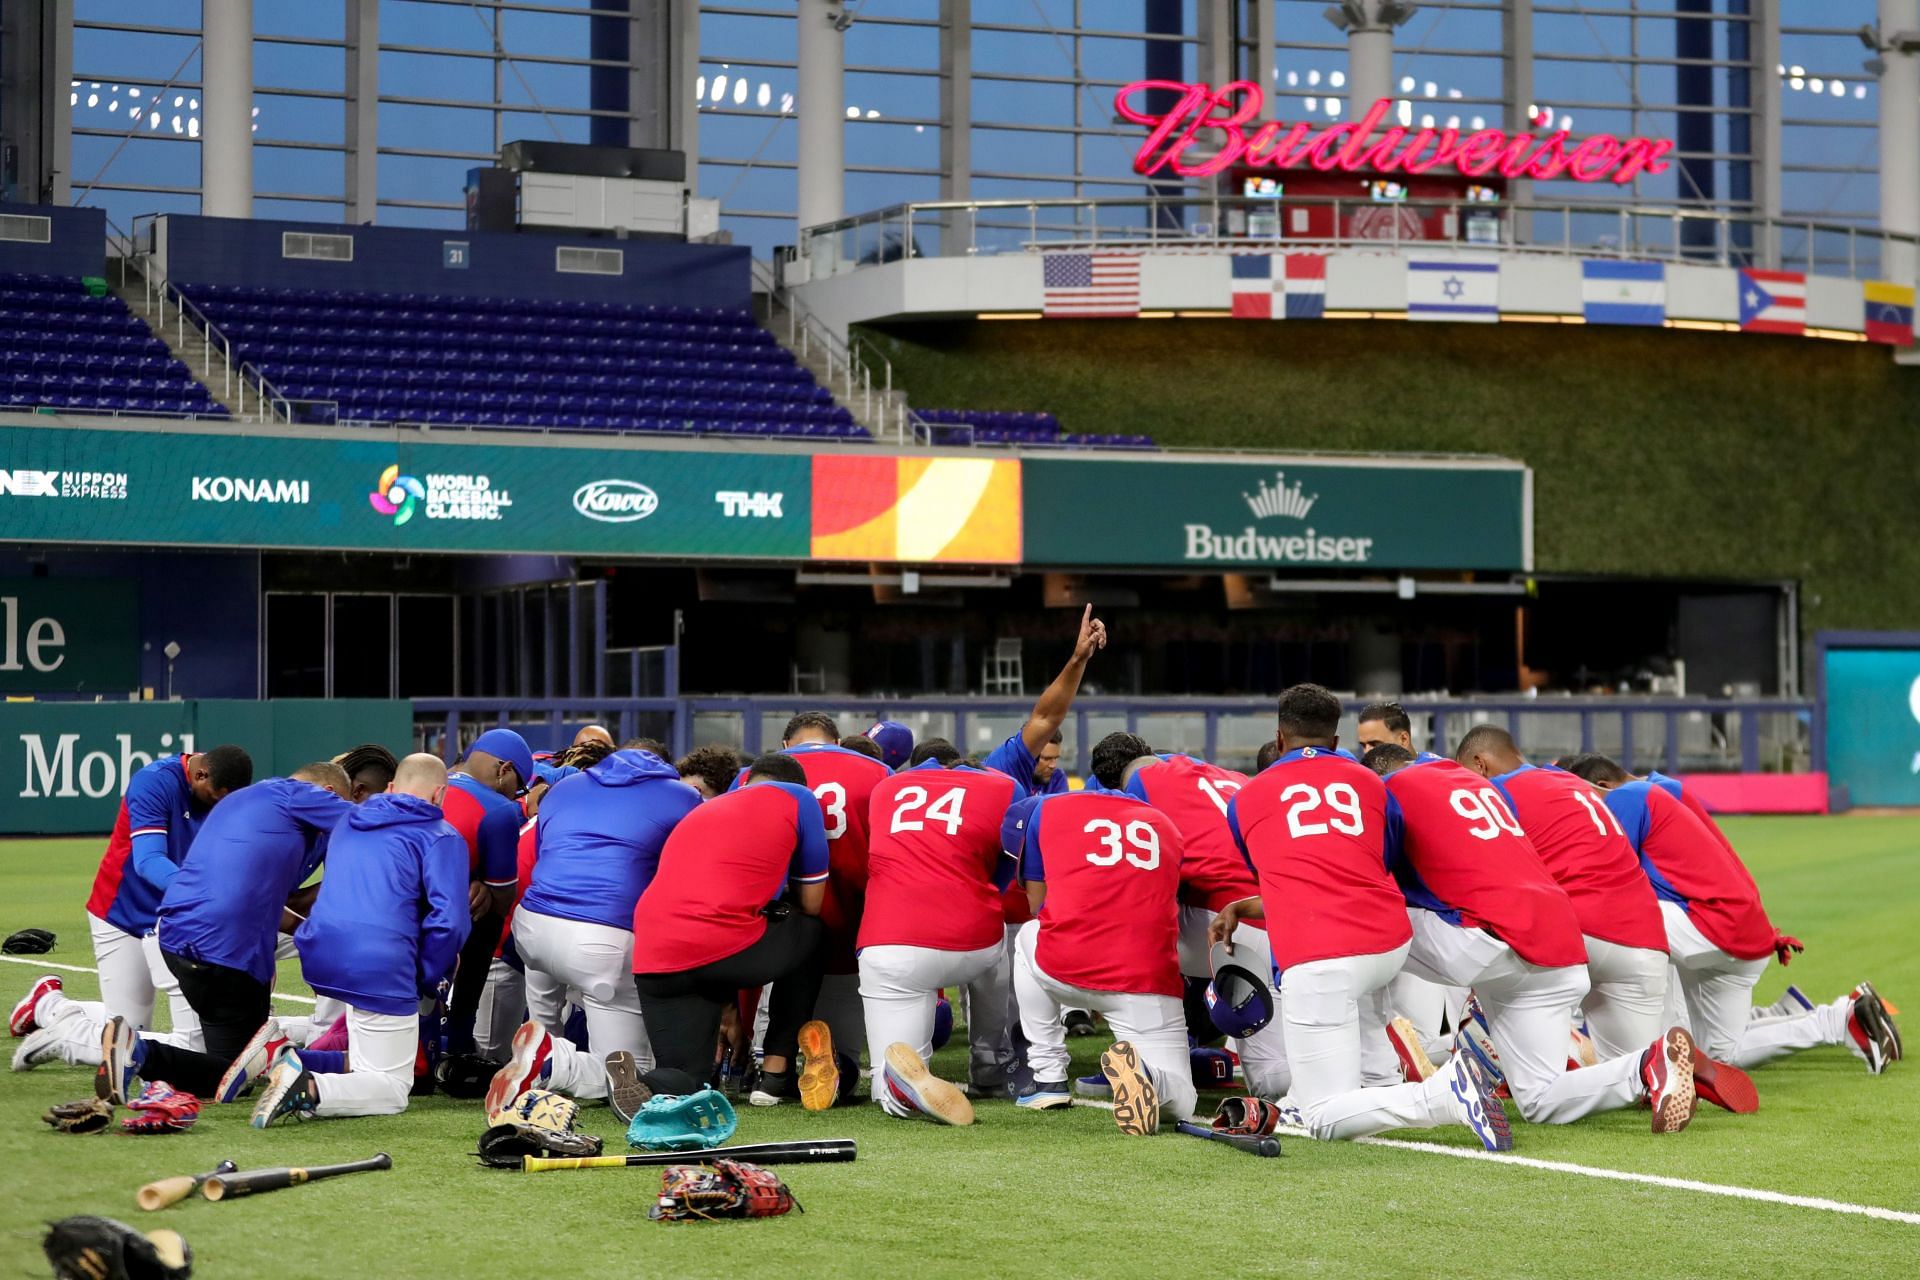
(1213, 871)
(843, 782)
(1587, 854)
(489, 823)
(1111, 919)
(527, 854)
(1313, 824)
(723, 863)
(1690, 866)
(932, 859)
(1458, 851)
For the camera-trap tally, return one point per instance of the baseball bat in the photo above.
(246, 1184)
(1252, 1143)
(170, 1191)
(823, 1151)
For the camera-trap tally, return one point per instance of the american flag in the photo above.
(1091, 284)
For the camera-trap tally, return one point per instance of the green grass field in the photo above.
(1064, 1193)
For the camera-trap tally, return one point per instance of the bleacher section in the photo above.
(61, 347)
(978, 426)
(564, 366)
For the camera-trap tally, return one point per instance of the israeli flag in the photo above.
(1454, 289)
(1613, 292)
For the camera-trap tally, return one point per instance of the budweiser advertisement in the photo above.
(1209, 130)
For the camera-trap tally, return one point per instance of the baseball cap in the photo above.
(895, 741)
(1013, 829)
(509, 746)
(1237, 999)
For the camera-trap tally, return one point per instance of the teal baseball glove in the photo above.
(693, 1122)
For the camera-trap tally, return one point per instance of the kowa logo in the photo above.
(615, 501)
(249, 489)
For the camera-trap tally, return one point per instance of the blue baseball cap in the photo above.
(1013, 828)
(1237, 1000)
(507, 745)
(895, 741)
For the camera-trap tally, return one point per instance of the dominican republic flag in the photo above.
(1889, 314)
(1623, 292)
(1773, 301)
(1454, 289)
(1090, 284)
(1279, 286)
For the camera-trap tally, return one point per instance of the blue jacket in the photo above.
(392, 913)
(254, 849)
(599, 838)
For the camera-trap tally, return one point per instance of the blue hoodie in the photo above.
(392, 913)
(599, 838)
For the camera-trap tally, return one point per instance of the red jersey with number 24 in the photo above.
(1314, 825)
(932, 851)
(1111, 919)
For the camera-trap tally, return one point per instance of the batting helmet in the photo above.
(1237, 999)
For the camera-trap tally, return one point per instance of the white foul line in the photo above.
(38, 963)
(1609, 1175)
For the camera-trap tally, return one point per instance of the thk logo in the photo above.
(740, 504)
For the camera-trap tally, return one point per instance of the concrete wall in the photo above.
(78, 247)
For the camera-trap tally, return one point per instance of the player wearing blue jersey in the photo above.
(482, 804)
(385, 931)
(1020, 757)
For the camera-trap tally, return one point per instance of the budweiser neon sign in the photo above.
(1205, 134)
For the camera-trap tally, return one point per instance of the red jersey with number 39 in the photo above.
(1111, 919)
(1314, 824)
(843, 782)
(1213, 871)
(1588, 854)
(932, 850)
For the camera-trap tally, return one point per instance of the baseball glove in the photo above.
(28, 942)
(504, 1146)
(161, 1108)
(539, 1109)
(1246, 1116)
(102, 1249)
(692, 1122)
(465, 1075)
(727, 1189)
(88, 1115)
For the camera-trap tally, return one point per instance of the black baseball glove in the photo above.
(102, 1249)
(505, 1145)
(465, 1075)
(28, 942)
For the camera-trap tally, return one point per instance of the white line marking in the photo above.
(38, 963)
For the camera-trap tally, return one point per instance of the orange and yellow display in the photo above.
(916, 510)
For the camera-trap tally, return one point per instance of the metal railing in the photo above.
(848, 363)
(1667, 233)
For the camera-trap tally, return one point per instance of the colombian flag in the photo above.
(1889, 313)
(918, 510)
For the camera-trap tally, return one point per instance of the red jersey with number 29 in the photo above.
(843, 782)
(932, 850)
(1213, 871)
(1111, 919)
(1313, 824)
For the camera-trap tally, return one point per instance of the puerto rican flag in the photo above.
(1279, 286)
(1773, 301)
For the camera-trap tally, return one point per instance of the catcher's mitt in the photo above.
(504, 1146)
(539, 1108)
(1240, 1115)
(28, 942)
(102, 1249)
(161, 1108)
(88, 1115)
(465, 1075)
(727, 1189)
(692, 1122)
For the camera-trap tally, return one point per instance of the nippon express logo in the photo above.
(615, 501)
(22, 483)
(438, 496)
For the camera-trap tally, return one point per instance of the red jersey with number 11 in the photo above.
(932, 852)
(1195, 795)
(1111, 919)
(1314, 825)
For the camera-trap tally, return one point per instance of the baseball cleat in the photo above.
(1866, 988)
(1044, 1095)
(1471, 1090)
(1724, 1085)
(1078, 1022)
(289, 1092)
(532, 1047)
(917, 1089)
(1667, 1070)
(21, 1022)
(625, 1093)
(1476, 1039)
(819, 1069)
(1415, 1065)
(121, 1053)
(771, 1088)
(1093, 1086)
(40, 1046)
(253, 1063)
(1136, 1103)
(1870, 1031)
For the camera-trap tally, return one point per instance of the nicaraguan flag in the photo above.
(1889, 312)
(1453, 289)
(1614, 292)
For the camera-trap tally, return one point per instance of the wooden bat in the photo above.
(1252, 1143)
(169, 1191)
(246, 1184)
(822, 1151)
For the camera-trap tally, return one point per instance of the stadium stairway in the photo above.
(880, 415)
(187, 345)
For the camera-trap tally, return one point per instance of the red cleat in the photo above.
(1667, 1069)
(1725, 1086)
(22, 1022)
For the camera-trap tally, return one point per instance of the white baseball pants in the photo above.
(131, 975)
(381, 1048)
(1263, 1055)
(1626, 1004)
(503, 1007)
(1155, 1024)
(595, 960)
(899, 987)
(1719, 998)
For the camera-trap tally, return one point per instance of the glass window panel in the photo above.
(435, 26)
(419, 75)
(436, 128)
(892, 44)
(549, 127)
(289, 119)
(297, 171)
(424, 178)
(1023, 151)
(917, 96)
(285, 66)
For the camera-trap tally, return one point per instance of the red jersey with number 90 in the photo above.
(843, 782)
(1314, 826)
(1111, 919)
(932, 849)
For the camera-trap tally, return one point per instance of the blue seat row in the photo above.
(213, 294)
(89, 401)
(602, 385)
